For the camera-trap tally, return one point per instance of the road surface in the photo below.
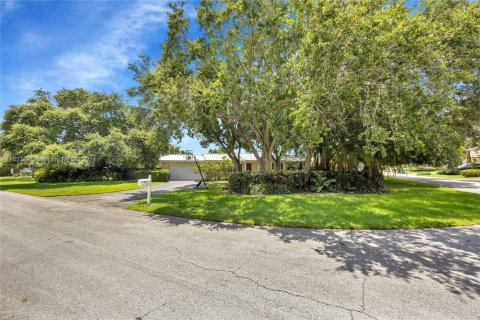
(65, 260)
(467, 184)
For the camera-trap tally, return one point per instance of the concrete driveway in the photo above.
(467, 184)
(123, 198)
(62, 260)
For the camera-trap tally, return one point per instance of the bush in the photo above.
(425, 173)
(74, 175)
(449, 171)
(299, 181)
(269, 188)
(471, 173)
(162, 175)
(423, 168)
(239, 182)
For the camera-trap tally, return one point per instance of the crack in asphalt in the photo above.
(363, 292)
(234, 273)
(154, 309)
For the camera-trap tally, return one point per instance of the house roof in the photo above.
(175, 157)
(218, 157)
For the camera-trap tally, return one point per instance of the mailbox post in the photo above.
(147, 183)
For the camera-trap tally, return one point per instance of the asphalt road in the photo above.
(123, 198)
(467, 184)
(65, 260)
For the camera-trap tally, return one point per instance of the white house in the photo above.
(181, 166)
(473, 155)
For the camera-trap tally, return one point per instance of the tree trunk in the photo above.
(267, 160)
(308, 159)
(316, 162)
(373, 169)
(236, 161)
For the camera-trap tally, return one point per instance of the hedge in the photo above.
(76, 175)
(449, 171)
(162, 175)
(89, 174)
(471, 173)
(299, 181)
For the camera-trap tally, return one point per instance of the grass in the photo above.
(408, 205)
(27, 185)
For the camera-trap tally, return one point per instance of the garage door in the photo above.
(183, 173)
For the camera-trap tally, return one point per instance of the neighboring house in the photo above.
(181, 166)
(473, 155)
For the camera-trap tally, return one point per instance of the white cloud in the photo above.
(8, 5)
(31, 40)
(119, 42)
(107, 53)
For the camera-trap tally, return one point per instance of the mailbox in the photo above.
(147, 183)
(144, 182)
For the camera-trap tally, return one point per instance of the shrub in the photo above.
(425, 173)
(352, 181)
(162, 175)
(471, 173)
(423, 168)
(449, 171)
(239, 182)
(75, 174)
(321, 183)
(216, 170)
(269, 188)
(299, 181)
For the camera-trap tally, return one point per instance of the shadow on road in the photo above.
(450, 256)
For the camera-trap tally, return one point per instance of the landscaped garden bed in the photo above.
(300, 182)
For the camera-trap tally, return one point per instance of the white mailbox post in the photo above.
(147, 183)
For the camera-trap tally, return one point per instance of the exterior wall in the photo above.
(181, 170)
(284, 165)
(473, 155)
(166, 165)
(254, 166)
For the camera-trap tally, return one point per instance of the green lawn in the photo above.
(407, 205)
(27, 185)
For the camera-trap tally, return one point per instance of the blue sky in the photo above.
(69, 44)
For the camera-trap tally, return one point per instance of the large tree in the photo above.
(77, 124)
(343, 82)
(384, 77)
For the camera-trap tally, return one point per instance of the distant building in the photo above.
(473, 155)
(181, 166)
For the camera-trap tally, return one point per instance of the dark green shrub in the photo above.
(239, 182)
(449, 171)
(471, 173)
(424, 173)
(423, 168)
(161, 175)
(269, 188)
(321, 183)
(299, 181)
(75, 174)
(352, 181)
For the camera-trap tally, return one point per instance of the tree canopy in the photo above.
(79, 129)
(344, 82)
